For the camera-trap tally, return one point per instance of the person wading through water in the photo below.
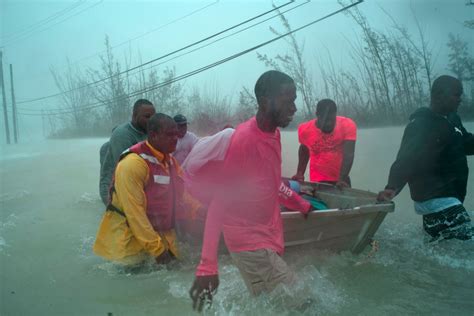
(432, 160)
(147, 194)
(123, 136)
(245, 207)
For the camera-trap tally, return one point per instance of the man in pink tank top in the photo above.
(328, 143)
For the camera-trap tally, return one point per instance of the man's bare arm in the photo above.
(303, 159)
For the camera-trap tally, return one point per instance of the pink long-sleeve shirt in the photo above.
(246, 207)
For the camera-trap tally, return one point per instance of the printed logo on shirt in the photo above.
(286, 191)
(161, 179)
(326, 143)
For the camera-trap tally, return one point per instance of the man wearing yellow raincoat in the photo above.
(146, 198)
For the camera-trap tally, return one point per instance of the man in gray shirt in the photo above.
(123, 136)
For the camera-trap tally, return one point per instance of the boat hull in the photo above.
(349, 224)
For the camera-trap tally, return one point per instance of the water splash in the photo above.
(178, 289)
(408, 244)
(5, 226)
(17, 156)
(10, 196)
(3, 244)
(88, 198)
(85, 246)
(314, 294)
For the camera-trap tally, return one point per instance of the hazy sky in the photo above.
(37, 35)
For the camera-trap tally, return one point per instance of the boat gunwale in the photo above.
(362, 209)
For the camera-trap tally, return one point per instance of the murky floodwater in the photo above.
(50, 211)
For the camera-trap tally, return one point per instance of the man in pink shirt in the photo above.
(328, 143)
(246, 207)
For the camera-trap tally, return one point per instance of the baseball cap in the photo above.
(180, 119)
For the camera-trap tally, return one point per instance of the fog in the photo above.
(37, 36)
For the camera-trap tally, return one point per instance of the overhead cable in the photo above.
(156, 59)
(145, 34)
(202, 69)
(44, 21)
(202, 46)
(9, 43)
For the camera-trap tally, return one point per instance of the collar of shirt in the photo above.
(258, 131)
(163, 158)
(135, 129)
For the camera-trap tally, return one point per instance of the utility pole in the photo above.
(5, 113)
(15, 120)
(42, 123)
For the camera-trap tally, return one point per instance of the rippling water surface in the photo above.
(50, 211)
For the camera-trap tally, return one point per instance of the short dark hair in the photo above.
(442, 84)
(269, 84)
(326, 106)
(180, 119)
(157, 121)
(139, 103)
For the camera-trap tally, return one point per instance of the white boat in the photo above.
(349, 224)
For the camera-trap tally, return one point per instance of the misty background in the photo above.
(76, 64)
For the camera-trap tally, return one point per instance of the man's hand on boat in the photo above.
(204, 287)
(298, 177)
(305, 215)
(386, 195)
(341, 184)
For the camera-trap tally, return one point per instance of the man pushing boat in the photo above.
(432, 160)
(146, 196)
(245, 207)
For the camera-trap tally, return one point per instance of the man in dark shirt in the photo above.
(123, 137)
(432, 160)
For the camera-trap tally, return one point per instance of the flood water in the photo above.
(50, 211)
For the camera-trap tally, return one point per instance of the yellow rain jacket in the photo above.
(120, 238)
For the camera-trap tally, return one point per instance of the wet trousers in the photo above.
(453, 222)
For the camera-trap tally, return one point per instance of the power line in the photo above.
(50, 26)
(151, 31)
(145, 34)
(44, 21)
(158, 58)
(222, 38)
(205, 45)
(202, 69)
(199, 70)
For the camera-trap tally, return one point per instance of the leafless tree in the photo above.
(210, 111)
(75, 95)
(112, 92)
(247, 106)
(294, 65)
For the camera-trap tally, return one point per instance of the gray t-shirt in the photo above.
(123, 137)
